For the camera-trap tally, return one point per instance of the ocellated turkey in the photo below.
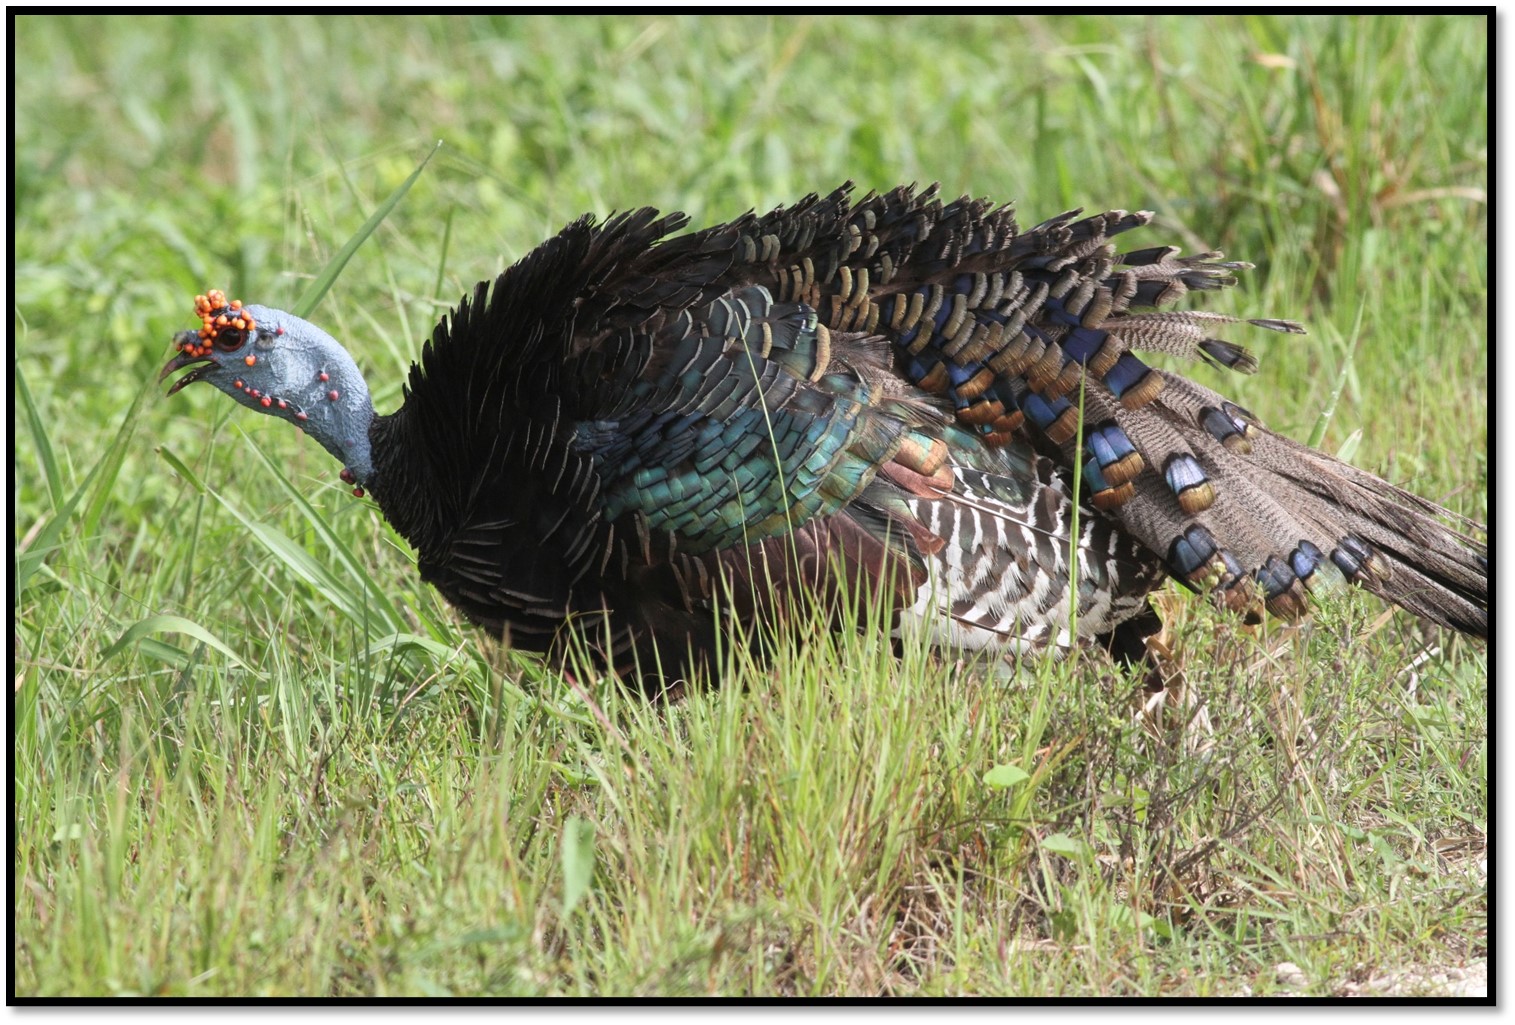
(646, 436)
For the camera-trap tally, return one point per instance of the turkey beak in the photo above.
(183, 359)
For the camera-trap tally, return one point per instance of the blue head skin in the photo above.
(276, 363)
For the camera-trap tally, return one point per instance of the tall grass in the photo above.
(254, 754)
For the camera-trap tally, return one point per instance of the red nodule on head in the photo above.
(224, 325)
(217, 316)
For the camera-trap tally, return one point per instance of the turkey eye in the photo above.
(230, 339)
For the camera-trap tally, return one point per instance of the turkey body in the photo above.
(643, 439)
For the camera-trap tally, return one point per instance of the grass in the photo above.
(255, 755)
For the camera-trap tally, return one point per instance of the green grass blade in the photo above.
(192, 478)
(343, 597)
(360, 579)
(577, 860)
(109, 468)
(316, 290)
(97, 483)
(40, 439)
(1318, 434)
(171, 624)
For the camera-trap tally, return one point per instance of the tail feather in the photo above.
(1415, 560)
(1033, 334)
